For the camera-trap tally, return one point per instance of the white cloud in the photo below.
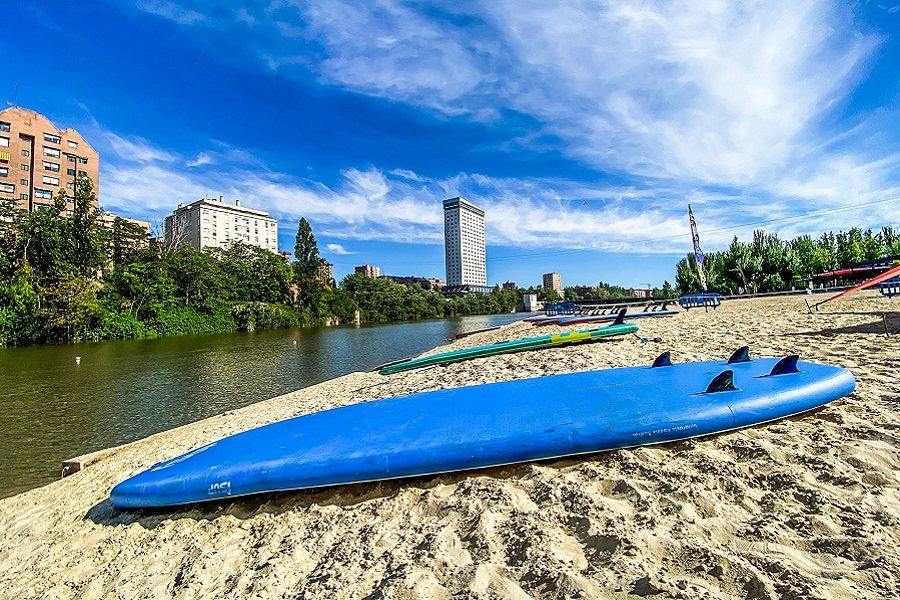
(136, 149)
(171, 11)
(201, 159)
(681, 99)
(410, 175)
(337, 249)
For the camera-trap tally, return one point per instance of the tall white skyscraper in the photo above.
(464, 244)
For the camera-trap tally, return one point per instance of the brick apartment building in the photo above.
(37, 159)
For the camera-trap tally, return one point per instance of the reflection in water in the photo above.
(122, 391)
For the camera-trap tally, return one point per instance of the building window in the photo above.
(70, 158)
(4, 141)
(72, 144)
(53, 139)
(82, 173)
(26, 152)
(82, 160)
(50, 180)
(4, 126)
(23, 196)
(23, 181)
(70, 172)
(50, 166)
(4, 171)
(24, 167)
(54, 152)
(70, 185)
(46, 194)
(8, 188)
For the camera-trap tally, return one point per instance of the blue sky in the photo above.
(582, 130)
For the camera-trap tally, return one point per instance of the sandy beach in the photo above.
(808, 507)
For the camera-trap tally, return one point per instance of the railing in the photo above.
(706, 301)
(560, 308)
(890, 288)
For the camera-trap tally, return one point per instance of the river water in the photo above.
(53, 408)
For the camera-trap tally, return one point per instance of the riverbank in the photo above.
(807, 507)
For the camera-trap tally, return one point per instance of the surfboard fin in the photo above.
(740, 355)
(723, 382)
(785, 366)
(621, 318)
(663, 360)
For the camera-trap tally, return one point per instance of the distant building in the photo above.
(211, 223)
(427, 283)
(326, 272)
(464, 246)
(530, 302)
(37, 160)
(640, 293)
(370, 271)
(583, 291)
(510, 285)
(107, 219)
(285, 255)
(553, 281)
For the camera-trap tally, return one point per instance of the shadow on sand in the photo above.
(882, 322)
(344, 496)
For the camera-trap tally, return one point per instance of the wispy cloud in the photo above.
(139, 150)
(337, 249)
(172, 11)
(682, 100)
(201, 159)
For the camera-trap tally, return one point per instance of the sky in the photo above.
(583, 130)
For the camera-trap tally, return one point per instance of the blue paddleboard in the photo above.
(489, 425)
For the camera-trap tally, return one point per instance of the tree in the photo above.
(87, 240)
(125, 239)
(307, 263)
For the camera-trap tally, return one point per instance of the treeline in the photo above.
(608, 291)
(382, 299)
(769, 264)
(66, 278)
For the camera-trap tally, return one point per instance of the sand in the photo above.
(804, 508)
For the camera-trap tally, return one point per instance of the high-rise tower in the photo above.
(464, 244)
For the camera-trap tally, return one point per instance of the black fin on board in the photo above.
(740, 355)
(785, 366)
(663, 360)
(723, 382)
(621, 318)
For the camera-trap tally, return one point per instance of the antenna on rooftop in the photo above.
(15, 97)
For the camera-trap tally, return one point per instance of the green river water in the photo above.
(53, 408)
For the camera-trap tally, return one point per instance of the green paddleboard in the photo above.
(521, 345)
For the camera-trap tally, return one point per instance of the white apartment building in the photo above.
(464, 244)
(211, 223)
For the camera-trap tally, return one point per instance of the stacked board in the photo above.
(521, 345)
(580, 319)
(491, 425)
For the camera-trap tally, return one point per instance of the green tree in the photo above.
(307, 264)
